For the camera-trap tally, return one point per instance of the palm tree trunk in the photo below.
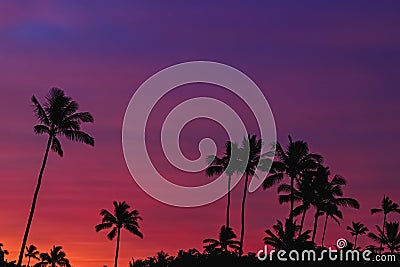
(39, 182)
(117, 249)
(291, 200)
(229, 202)
(323, 235)
(383, 230)
(29, 260)
(243, 221)
(302, 221)
(315, 225)
(355, 242)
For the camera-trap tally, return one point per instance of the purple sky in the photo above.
(329, 72)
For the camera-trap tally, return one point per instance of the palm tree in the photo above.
(357, 229)
(329, 194)
(163, 259)
(286, 238)
(226, 240)
(292, 162)
(57, 117)
(31, 252)
(250, 158)
(120, 218)
(229, 164)
(331, 210)
(387, 206)
(56, 256)
(390, 237)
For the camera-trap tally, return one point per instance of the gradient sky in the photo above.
(330, 72)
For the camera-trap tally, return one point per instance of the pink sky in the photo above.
(330, 74)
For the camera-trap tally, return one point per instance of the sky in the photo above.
(329, 71)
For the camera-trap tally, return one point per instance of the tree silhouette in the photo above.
(57, 117)
(387, 206)
(357, 229)
(390, 237)
(328, 194)
(331, 210)
(230, 164)
(286, 238)
(120, 218)
(225, 241)
(292, 162)
(3, 252)
(56, 256)
(32, 252)
(250, 158)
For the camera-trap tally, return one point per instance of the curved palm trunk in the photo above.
(39, 182)
(302, 221)
(243, 221)
(291, 200)
(117, 249)
(383, 230)
(323, 235)
(315, 225)
(355, 242)
(229, 202)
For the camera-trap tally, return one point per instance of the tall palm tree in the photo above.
(57, 117)
(328, 194)
(387, 206)
(286, 238)
(357, 229)
(32, 252)
(229, 164)
(250, 158)
(293, 162)
(56, 256)
(225, 241)
(390, 237)
(120, 218)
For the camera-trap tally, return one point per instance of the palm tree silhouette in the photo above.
(328, 194)
(57, 117)
(387, 206)
(357, 229)
(226, 240)
(120, 218)
(163, 259)
(251, 150)
(331, 210)
(390, 237)
(286, 236)
(293, 162)
(32, 252)
(229, 164)
(56, 256)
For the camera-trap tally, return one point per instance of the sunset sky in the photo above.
(330, 72)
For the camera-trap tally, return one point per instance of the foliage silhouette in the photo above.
(357, 229)
(57, 117)
(120, 218)
(32, 252)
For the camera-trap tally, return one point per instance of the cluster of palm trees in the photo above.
(55, 257)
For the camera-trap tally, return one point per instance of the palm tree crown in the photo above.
(390, 237)
(226, 240)
(32, 252)
(56, 256)
(120, 218)
(357, 229)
